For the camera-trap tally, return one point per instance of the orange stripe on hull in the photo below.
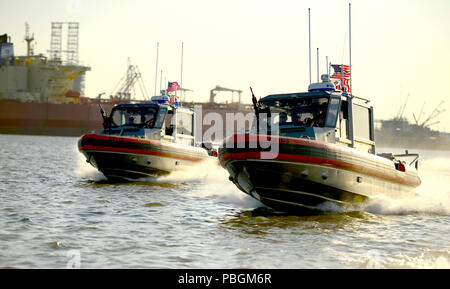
(325, 162)
(137, 151)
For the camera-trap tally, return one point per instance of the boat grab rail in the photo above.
(392, 156)
(415, 161)
(360, 98)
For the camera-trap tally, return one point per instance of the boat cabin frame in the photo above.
(332, 120)
(168, 122)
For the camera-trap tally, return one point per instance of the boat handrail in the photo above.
(358, 97)
(393, 157)
(407, 154)
(168, 137)
(185, 136)
(344, 140)
(364, 140)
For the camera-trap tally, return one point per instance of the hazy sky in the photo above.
(399, 48)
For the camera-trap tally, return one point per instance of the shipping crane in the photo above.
(124, 90)
(433, 115)
(220, 88)
(402, 109)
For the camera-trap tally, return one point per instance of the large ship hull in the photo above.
(50, 118)
(413, 140)
(308, 173)
(67, 119)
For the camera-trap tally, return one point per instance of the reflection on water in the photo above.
(266, 218)
(148, 183)
(55, 206)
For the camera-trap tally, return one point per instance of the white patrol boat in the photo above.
(141, 140)
(325, 153)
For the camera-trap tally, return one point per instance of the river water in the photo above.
(56, 211)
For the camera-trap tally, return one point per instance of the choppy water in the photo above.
(56, 212)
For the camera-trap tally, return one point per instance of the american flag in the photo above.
(342, 73)
(338, 68)
(173, 86)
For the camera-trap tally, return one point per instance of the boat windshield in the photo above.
(300, 112)
(139, 117)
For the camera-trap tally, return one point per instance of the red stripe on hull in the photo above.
(247, 138)
(119, 139)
